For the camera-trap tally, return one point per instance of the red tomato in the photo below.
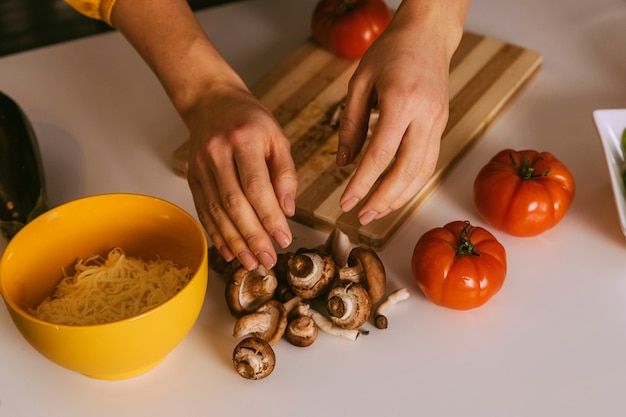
(459, 266)
(348, 27)
(523, 193)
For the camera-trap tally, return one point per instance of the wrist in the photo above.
(442, 20)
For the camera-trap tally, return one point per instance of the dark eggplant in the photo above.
(22, 183)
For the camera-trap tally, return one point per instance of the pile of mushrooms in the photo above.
(333, 288)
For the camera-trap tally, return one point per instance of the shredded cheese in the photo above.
(108, 289)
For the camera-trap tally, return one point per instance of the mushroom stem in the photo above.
(366, 268)
(338, 246)
(325, 324)
(252, 323)
(380, 320)
(292, 303)
(268, 322)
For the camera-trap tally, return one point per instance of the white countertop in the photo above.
(551, 343)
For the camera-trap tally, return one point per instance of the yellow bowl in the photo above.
(144, 227)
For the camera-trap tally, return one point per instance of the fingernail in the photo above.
(349, 204)
(248, 260)
(266, 259)
(281, 238)
(368, 217)
(289, 205)
(343, 155)
(383, 213)
(226, 253)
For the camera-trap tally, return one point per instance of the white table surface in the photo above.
(551, 343)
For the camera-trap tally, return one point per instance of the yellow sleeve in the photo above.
(96, 9)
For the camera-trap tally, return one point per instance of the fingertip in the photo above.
(267, 260)
(384, 213)
(248, 260)
(227, 254)
(343, 155)
(368, 217)
(281, 238)
(349, 204)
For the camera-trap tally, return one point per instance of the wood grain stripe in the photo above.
(272, 87)
(319, 107)
(472, 63)
(469, 41)
(480, 83)
(311, 88)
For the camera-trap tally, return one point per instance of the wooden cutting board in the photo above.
(304, 90)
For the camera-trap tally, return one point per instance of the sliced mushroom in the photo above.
(301, 331)
(310, 274)
(338, 246)
(349, 305)
(254, 358)
(268, 322)
(247, 290)
(366, 268)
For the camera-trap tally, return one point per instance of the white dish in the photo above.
(611, 124)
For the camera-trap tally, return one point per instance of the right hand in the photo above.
(241, 175)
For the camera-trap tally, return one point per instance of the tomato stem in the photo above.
(527, 169)
(345, 7)
(466, 247)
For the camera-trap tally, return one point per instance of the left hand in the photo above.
(404, 73)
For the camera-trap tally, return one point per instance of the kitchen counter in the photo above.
(550, 343)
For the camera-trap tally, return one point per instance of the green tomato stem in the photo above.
(466, 247)
(527, 169)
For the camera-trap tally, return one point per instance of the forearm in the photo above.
(171, 41)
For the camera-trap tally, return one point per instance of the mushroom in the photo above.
(301, 331)
(310, 273)
(338, 246)
(393, 298)
(247, 290)
(268, 322)
(221, 265)
(348, 304)
(283, 291)
(325, 325)
(254, 358)
(366, 268)
(292, 303)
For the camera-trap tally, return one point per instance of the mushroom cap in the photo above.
(311, 273)
(375, 280)
(301, 331)
(349, 304)
(268, 322)
(247, 290)
(254, 358)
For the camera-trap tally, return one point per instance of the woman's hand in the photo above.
(241, 175)
(405, 75)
